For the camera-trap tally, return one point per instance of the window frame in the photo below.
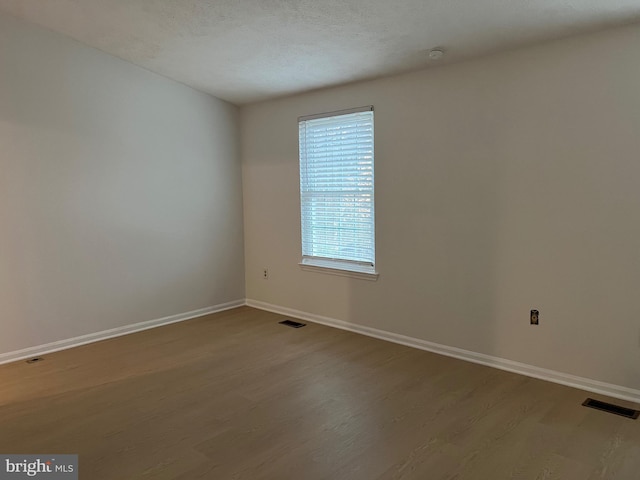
(341, 267)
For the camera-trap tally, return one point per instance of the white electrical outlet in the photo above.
(265, 274)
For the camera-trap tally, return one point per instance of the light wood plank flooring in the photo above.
(237, 396)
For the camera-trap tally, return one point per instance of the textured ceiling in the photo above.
(248, 50)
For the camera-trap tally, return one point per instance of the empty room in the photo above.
(319, 240)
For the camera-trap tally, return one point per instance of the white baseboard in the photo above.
(114, 332)
(595, 386)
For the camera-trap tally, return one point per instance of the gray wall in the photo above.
(120, 192)
(502, 184)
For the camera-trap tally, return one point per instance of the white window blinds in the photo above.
(337, 187)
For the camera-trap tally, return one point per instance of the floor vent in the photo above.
(292, 324)
(35, 360)
(611, 408)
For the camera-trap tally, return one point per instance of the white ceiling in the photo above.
(248, 50)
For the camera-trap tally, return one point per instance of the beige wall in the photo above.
(120, 192)
(503, 184)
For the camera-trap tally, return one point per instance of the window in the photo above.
(337, 191)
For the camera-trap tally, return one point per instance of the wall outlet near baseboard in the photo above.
(265, 273)
(535, 317)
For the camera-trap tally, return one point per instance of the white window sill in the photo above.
(336, 267)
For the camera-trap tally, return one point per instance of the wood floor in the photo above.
(237, 396)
